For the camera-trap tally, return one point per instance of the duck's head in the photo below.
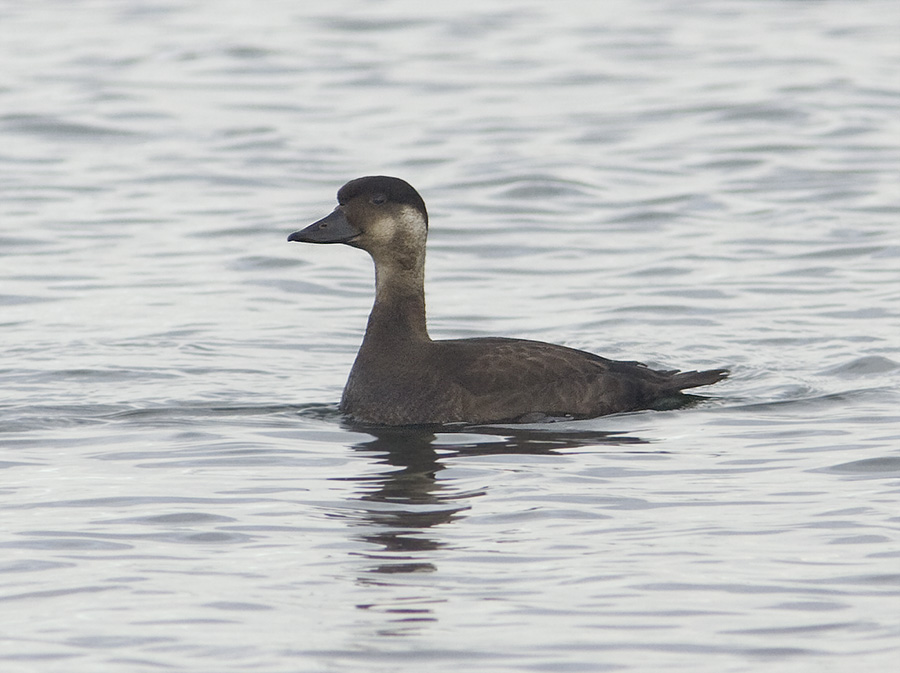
(377, 213)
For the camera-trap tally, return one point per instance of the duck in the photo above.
(401, 376)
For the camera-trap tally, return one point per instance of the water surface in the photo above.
(701, 185)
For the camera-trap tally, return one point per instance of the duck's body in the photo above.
(403, 377)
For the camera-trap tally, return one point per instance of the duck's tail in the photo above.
(683, 380)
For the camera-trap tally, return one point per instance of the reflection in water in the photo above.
(404, 502)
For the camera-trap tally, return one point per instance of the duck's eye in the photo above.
(379, 199)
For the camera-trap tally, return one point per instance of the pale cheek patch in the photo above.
(412, 227)
(381, 231)
(402, 231)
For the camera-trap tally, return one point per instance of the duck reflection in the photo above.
(405, 501)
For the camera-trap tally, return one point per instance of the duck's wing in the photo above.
(494, 363)
(522, 376)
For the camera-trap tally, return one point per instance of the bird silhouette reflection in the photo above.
(405, 500)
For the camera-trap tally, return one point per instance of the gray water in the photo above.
(699, 184)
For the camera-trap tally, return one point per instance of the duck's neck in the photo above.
(399, 310)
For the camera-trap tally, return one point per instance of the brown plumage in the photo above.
(403, 377)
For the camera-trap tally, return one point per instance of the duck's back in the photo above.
(497, 379)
